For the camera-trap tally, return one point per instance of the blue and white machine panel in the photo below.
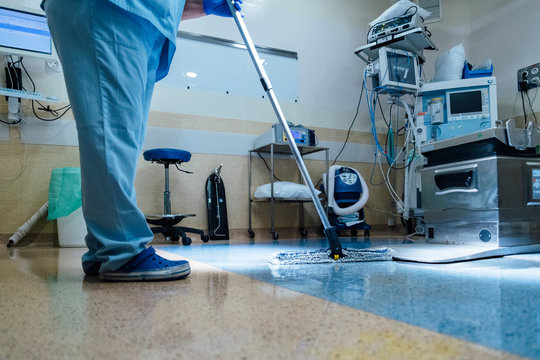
(448, 109)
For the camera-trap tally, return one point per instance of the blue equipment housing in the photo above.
(346, 198)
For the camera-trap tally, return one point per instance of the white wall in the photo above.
(323, 34)
(505, 31)
(329, 74)
(453, 30)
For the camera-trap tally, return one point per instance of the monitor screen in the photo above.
(466, 102)
(24, 33)
(395, 71)
(296, 134)
(401, 68)
(536, 184)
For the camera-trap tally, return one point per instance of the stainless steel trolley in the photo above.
(284, 149)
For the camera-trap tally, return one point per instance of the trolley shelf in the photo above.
(273, 149)
(284, 200)
(284, 149)
(415, 40)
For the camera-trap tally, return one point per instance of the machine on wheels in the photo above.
(347, 193)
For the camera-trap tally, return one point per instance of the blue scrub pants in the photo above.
(109, 58)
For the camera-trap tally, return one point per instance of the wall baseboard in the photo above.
(236, 235)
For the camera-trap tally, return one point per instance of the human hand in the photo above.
(220, 7)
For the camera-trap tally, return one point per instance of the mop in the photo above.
(336, 252)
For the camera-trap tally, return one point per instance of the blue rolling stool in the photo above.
(166, 222)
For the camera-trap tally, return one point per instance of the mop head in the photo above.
(323, 256)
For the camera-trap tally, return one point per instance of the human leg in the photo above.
(109, 58)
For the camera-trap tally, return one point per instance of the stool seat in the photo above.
(166, 223)
(164, 155)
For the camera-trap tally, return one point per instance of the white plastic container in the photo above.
(72, 229)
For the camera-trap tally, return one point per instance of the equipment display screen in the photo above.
(536, 184)
(401, 68)
(296, 134)
(466, 102)
(20, 30)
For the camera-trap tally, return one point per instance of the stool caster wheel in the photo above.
(303, 232)
(186, 241)
(205, 238)
(275, 235)
(174, 238)
(354, 232)
(366, 233)
(251, 234)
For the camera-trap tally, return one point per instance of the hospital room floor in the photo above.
(235, 305)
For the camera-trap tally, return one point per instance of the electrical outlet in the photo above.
(528, 77)
(52, 66)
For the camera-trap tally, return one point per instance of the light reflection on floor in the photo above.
(490, 302)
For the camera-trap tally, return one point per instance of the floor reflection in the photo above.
(235, 304)
(489, 302)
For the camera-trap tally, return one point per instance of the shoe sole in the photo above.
(175, 273)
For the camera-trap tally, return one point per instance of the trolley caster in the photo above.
(354, 232)
(205, 238)
(186, 241)
(303, 232)
(366, 234)
(251, 234)
(275, 235)
(174, 238)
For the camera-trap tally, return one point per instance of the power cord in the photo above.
(268, 167)
(56, 113)
(5, 183)
(350, 127)
(531, 107)
(12, 77)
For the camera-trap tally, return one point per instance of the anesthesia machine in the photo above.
(472, 178)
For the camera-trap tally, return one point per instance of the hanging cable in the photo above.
(56, 113)
(523, 105)
(350, 127)
(531, 107)
(4, 183)
(371, 100)
(268, 167)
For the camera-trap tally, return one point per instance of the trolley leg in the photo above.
(250, 229)
(272, 209)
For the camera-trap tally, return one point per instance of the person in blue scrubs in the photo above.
(112, 53)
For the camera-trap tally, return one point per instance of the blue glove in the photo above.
(220, 7)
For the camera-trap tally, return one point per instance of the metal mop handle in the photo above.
(330, 231)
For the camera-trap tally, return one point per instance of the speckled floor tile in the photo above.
(51, 311)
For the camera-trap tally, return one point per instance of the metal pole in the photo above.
(272, 200)
(167, 193)
(330, 232)
(249, 195)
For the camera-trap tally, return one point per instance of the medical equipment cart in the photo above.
(283, 149)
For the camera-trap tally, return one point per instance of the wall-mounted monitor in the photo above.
(24, 32)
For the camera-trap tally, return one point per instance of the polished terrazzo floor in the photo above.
(237, 306)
